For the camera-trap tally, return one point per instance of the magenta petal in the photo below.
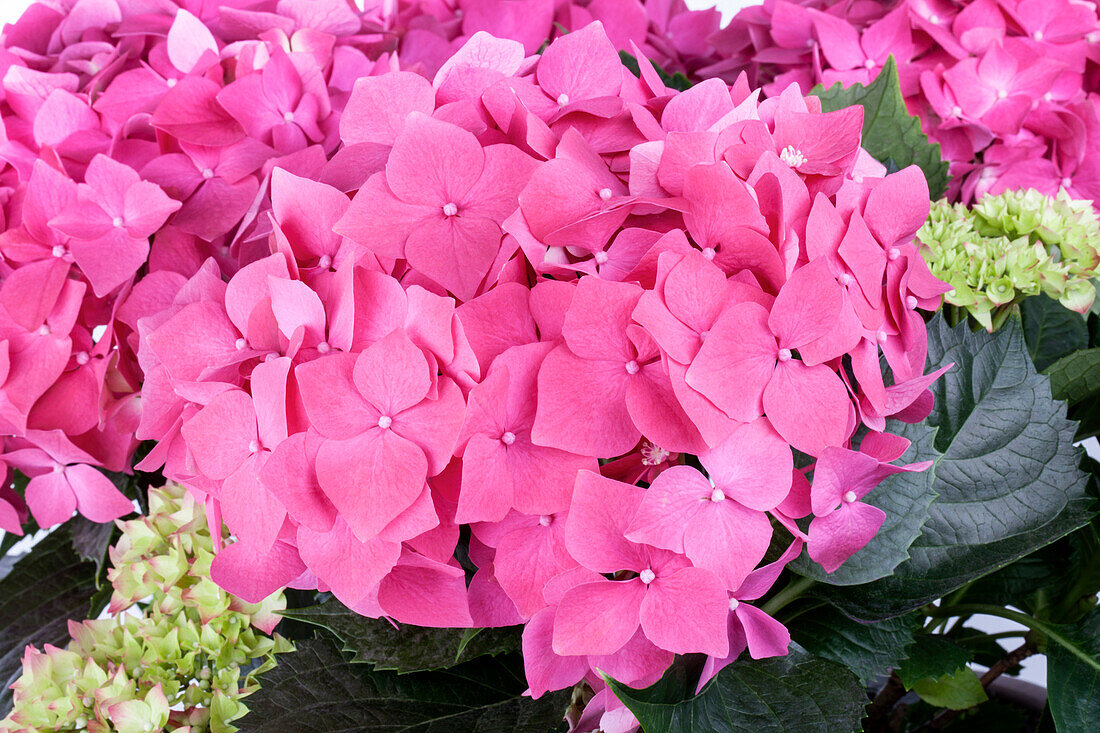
(433, 163)
(838, 535)
(657, 413)
(252, 575)
(808, 406)
(685, 613)
(598, 618)
(371, 479)
(349, 567)
(433, 424)
(807, 306)
(526, 559)
(766, 637)
(379, 106)
(546, 670)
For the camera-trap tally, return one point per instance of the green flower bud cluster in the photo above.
(175, 653)
(1010, 246)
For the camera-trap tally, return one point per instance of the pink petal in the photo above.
(423, 592)
(333, 404)
(379, 105)
(807, 307)
(598, 618)
(349, 567)
(190, 112)
(727, 539)
(753, 465)
(838, 535)
(50, 498)
(668, 506)
(766, 637)
(371, 479)
(433, 425)
(289, 475)
(253, 575)
(581, 65)
(685, 613)
(433, 163)
(808, 406)
(527, 559)
(223, 434)
(546, 670)
(598, 520)
(735, 363)
(96, 497)
(392, 374)
(188, 41)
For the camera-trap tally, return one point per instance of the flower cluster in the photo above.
(1012, 245)
(1009, 88)
(426, 33)
(553, 284)
(174, 664)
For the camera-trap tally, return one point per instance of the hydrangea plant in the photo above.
(174, 652)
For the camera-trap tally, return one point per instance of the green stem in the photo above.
(793, 590)
(1032, 623)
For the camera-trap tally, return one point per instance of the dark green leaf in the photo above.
(1076, 376)
(958, 690)
(799, 692)
(868, 649)
(1007, 482)
(91, 540)
(407, 648)
(1051, 330)
(931, 657)
(890, 134)
(905, 497)
(316, 689)
(1073, 675)
(46, 588)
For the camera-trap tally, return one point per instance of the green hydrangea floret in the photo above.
(175, 652)
(1010, 246)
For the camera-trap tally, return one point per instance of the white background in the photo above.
(1035, 668)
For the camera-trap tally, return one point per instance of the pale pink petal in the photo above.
(50, 498)
(253, 575)
(96, 497)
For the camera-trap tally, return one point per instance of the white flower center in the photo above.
(893, 253)
(82, 358)
(58, 467)
(869, 64)
(118, 222)
(240, 343)
(545, 520)
(1002, 93)
(508, 438)
(734, 603)
(601, 257)
(254, 446)
(956, 111)
(1067, 182)
(911, 301)
(563, 99)
(1037, 35)
(172, 82)
(324, 262)
(717, 495)
(934, 19)
(708, 252)
(43, 330)
(653, 455)
(849, 496)
(324, 347)
(784, 355)
(632, 367)
(647, 576)
(605, 194)
(450, 209)
(881, 336)
(288, 116)
(845, 279)
(385, 421)
(207, 173)
(792, 156)
(58, 250)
